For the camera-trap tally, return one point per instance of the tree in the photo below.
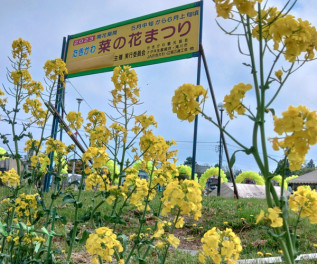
(310, 164)
(189, 161)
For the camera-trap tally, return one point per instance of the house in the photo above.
(309, 178)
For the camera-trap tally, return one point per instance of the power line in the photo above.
(68, 81)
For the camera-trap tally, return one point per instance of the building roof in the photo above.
(201, 168)
(306, 179)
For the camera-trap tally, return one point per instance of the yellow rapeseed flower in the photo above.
(218, 245)
(233, 101)
(103, 243)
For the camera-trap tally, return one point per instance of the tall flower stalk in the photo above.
(289, 43)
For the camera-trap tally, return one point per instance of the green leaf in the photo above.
(232, 160)
(45, 230)
(21, 230)
(84, 237)
(246, 64)
(141, 260)
(276, 235)
(77, 183)
(37, 247)
(85, 217)
(52, 233)
(62, 219)
(124, 241)
(115, 219)
(251, 117)
(270, 110)
(68, 199)
(2, 229)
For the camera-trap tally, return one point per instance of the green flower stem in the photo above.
(18, 96)
(248, 36)
(259, 128)
(93, 212)
(223, 130)
(279, 89)
(142, 220)
(42, 135)
(155, 226)
(9, 222)
(50, 238)
(283, 177)
(130, 254)
(289, 241)
(56, 191)
(72, 241)
(172, 231)
(124, 149)
(295, 229)
(123, 205)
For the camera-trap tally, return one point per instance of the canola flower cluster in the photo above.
(97, 155)
(184, 101)
(164, 239)
(233, 101)
(3, 101)
(42, 160)
(304, 201)
(55, 69)
(186, 195)
(295, 36)
(32, 144)
(165, 173)
(273, 216)
(95, 181)
(21, 47)
(23, 77)
(34, 87)
(118, 130)
(20, 76)
(125, 81)
(75, 119)
(143, 122)
(26, 206)
(57, 146)
(103, 243)
(96, 118)
(34, 106)
(299, 125)
(220, 245)
(10, 178)
(224, 8)
(29, 238)
(156, 148)
(139, 187)
(98, 133)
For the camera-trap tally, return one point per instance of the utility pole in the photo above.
(220, 107)
(79, 100)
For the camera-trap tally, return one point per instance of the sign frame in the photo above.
(130, 21)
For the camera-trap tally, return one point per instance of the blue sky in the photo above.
(45, 23)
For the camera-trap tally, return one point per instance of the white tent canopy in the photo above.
(245, 190)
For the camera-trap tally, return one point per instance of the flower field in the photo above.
(113, 213)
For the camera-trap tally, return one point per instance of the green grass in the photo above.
(239, 215)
